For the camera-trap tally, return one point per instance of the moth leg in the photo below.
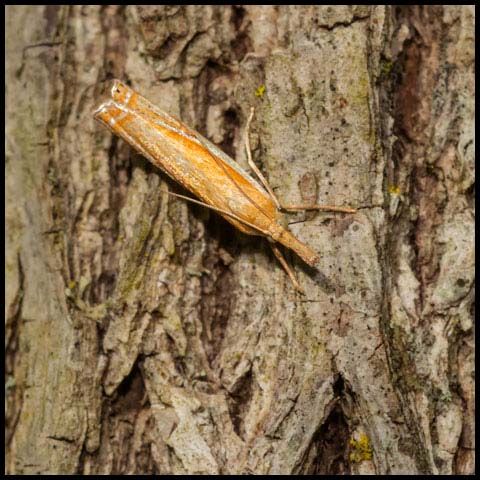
(219, 210)
(292, 208)
(331, 208)
(287, 268)
(252, 164)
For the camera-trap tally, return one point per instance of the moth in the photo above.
(217, 181)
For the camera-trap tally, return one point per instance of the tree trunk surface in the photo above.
(147, 335)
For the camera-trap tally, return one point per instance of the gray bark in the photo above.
(146, 335)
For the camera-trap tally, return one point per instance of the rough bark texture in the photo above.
(145, 335)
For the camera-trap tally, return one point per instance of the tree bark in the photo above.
(146, 335)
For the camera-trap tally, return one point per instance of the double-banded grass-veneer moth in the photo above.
(198, 165)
